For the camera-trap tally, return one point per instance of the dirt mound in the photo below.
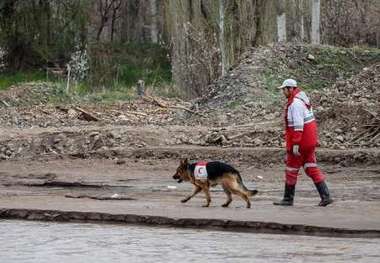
(246, 108)
(47, 105)
(29, 94)
(349, 112)
(262, 69)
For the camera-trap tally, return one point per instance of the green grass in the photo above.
(114, 74)
(9, 79)
(125, 64)
(113, 66)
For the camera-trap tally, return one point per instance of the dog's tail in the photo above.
(240, 181)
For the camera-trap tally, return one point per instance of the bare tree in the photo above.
(115, 16)
(221, 36)
(154, 21)
(281, 20)
(315, 22)
(351, 22)
(302, 20)
(107, 9)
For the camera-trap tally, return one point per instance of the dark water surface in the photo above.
(26, 241)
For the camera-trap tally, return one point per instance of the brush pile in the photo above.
(349, 112)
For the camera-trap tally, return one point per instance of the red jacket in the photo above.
(300, 125)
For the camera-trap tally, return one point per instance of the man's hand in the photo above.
(296, 150)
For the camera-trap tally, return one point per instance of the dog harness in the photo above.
(200, 171)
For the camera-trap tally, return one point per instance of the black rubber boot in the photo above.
(288, 196)
(323, 191)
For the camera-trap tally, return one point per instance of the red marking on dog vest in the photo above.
(200, 171)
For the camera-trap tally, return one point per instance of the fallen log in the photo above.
(86, 115)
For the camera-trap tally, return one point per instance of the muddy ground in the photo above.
(144, 187)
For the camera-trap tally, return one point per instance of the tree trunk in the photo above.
(315, 22)
(154, 21)
(281, 21)
(302, 21)
(221, 36)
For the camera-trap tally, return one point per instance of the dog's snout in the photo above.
(176, 176)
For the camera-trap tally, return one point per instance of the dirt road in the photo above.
(141, 190)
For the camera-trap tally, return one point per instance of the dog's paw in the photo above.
(184, 200)
(206, 205)
(225, 205)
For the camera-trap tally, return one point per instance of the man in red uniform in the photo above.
(301, 137)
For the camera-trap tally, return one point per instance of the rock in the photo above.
(59, 138)
(121, 161)
(114, 135)
(72, 113)
(122, 118)
(92, 134)
(257, 142)
(310, 57)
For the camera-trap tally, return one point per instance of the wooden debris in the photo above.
(239, 135)
(163, 105)
(86, 115)
(5, 103)
(63, 109)
(186, 109)
(155, 101)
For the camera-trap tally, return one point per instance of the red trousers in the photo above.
(308, 160)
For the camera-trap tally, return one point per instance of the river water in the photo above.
(28, 241)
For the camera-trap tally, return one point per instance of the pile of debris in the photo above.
(247, 110)
(38, 105)
(29, 94)
(241, 109)
(349, 112)
(262, 69)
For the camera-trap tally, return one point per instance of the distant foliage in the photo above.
(41, 33)
(113, 65)
(351, 22)
(108, 42)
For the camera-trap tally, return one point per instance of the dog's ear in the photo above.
(184, 161)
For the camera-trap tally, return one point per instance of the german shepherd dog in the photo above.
(217, 173)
